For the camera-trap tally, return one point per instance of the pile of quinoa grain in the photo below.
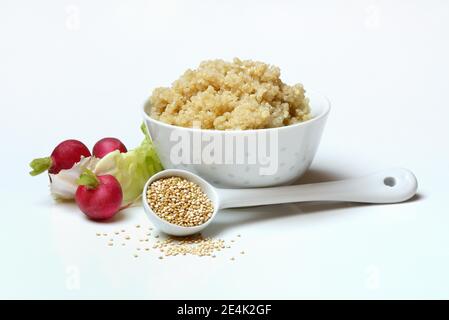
(194, 245)
(179, 201)
(237, 95)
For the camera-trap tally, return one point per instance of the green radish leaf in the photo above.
(88, 179)
(40, 165)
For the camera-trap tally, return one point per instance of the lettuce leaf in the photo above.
(63, 184)
(132, 169)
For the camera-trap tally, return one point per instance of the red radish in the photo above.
(64, 156)
(107, 145)
(99, 197)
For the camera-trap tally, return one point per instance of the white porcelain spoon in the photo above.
(388, 186)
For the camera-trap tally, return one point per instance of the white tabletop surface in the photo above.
(81, 69)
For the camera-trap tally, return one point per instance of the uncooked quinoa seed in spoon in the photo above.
(179, 201)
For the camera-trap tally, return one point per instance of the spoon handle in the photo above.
(388, 186)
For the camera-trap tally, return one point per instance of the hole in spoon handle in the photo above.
(390, 181)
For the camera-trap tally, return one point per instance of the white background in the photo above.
(81, 69)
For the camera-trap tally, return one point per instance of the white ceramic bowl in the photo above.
(290, 149)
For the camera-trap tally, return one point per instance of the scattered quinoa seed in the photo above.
(195, 245)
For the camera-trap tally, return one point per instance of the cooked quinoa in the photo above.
(238, 95)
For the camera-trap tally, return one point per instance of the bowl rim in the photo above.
(323, 114)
